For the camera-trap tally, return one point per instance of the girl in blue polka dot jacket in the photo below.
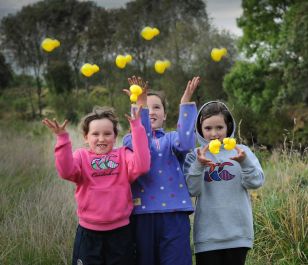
(161, 200)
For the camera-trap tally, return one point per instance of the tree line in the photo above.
(267, 90)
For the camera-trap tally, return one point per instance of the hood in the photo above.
(200, 138)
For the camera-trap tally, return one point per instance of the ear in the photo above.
(85, 138)
(165, 117)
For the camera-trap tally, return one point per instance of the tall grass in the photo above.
(37, 209)
(37, 219)
(281, 211)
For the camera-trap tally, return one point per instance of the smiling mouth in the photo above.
(101, 145)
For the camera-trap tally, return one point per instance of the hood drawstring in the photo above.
(156, 140)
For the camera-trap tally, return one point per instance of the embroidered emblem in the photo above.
(79, 262)
(220, 174)
(104, 163)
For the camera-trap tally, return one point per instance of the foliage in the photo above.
(6, 75)
(274, 80)
(59, 77)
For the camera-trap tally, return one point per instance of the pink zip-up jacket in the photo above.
(103, 194)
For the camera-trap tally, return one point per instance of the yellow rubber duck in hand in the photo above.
(135, 91)
(214, 146)
(229, 143)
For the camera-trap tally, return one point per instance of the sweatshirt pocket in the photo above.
(106, 205)
(222, 224)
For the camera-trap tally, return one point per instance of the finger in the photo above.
(195, 82)
(134, 78)
(56, 123)
(146, 86)
(138, 111)
(140, 81)
(188, 85)
(126, 91)
(63, 125)
(199, 152)
(129, 118)
(130, 81)
(205, 149)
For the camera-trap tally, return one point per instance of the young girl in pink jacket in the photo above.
(102, 175)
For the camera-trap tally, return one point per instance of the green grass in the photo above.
(37, 209)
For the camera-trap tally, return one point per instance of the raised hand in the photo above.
(142, 98)
(241, 155)
(190, 89)
(201, 156)
(54, 126)
(135, 114)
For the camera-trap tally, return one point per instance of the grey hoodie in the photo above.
(223, 216)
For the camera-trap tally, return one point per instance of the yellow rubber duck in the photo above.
(214, 146)
(48, 44)
(229, 143)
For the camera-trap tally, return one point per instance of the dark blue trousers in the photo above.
(114, 247)
(230, 256)
(162, 238)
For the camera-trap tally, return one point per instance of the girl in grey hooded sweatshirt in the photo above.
(223, 224)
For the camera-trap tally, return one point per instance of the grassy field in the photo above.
(37, 209)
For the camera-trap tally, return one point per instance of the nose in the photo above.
(101, 138)
(214, 133)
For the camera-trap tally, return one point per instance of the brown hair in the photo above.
(216, 108)
(97, 114)
(161, 95)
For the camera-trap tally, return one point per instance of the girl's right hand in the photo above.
(201, 156)
(142, 98)
(54, 125)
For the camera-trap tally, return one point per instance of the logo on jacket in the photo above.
(218, 173)
(104, 163)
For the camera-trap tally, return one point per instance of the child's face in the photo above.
(156, 111)
(101, 136)
(214, 127)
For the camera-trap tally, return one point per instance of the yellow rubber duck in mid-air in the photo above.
(161, 66)
(48, 44)
(217, 54)
(89, 69)
(122, 60)
(149, 33)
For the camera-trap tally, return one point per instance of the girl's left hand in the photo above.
(135, 114)
(190, 89)
(241, 155)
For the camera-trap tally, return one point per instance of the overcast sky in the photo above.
(223, 12)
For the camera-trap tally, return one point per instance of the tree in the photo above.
(5, 73)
